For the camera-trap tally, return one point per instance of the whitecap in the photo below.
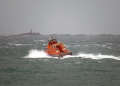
(36, 54)
(96, 44)
(39, 40)
(77, 62)
(18, 44)
(109, 43)
(76, 45)
(41, 54)
(97, 57)
(86, 45)
(92, 56)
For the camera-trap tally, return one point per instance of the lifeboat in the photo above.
(56, 49)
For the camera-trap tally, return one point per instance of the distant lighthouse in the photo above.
(30, 33)
(30, 30)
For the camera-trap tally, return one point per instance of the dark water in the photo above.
(95, 62)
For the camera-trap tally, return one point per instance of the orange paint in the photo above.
(56, 49)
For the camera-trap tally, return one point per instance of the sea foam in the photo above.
(97, 57)
(37, 54)
(41, 54)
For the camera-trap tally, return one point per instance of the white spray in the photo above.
(41, 54)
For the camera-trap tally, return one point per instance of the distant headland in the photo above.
(28, 34)
(31, 33)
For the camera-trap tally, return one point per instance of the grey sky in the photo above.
(60, 16)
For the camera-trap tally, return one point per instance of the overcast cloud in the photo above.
(60, 16)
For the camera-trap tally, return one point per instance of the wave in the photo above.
(18, 44)
(39, 40)
(99, 56)
(37, 54)
(41, 54)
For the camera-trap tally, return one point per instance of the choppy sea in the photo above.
(95, 61)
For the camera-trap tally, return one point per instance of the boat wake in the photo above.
(37, 54)
(41, 54)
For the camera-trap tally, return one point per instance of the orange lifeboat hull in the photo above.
(58, 53)
(57, 49)
(54, 51)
